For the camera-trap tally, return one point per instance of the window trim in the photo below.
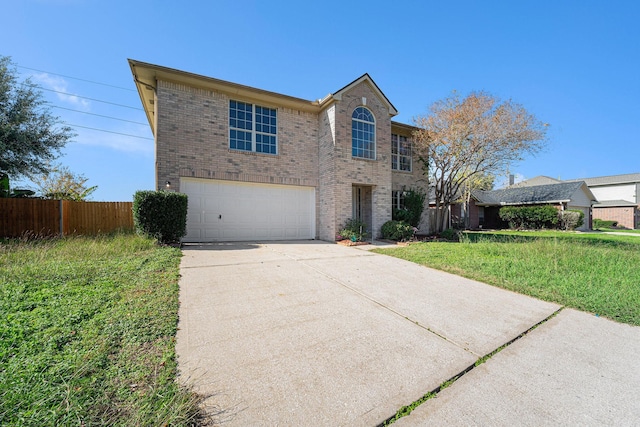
(253, 128)
(373, 127)
(395, 157)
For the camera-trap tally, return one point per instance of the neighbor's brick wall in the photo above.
(624, 215)
(192, 140)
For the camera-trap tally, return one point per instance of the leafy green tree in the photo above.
(30, 136)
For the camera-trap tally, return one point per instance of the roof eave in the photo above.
(146, 77)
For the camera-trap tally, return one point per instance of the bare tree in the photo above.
(60, 183)
(463, 139)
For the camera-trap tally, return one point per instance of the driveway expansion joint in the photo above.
(407, 409)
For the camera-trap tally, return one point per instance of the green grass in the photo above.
(597, 273)
(87, 336)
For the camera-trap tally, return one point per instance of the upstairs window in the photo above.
(252, 128)
(363, 134)
(400, 153)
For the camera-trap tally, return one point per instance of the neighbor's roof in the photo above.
(536, 180)
(530, 195)
(610, 180)
(614, 204)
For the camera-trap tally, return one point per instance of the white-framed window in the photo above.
(363, 134)
(400, 153)
(252, 128)
(397, 199)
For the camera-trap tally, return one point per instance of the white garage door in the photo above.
(238, 211)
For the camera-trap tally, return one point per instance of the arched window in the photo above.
(363, 134)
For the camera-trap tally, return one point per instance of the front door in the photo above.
(362, 204)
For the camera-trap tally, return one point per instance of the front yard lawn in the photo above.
(87, 336)
(597, 273)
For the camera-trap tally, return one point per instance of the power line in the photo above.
(110, 131)
(91, 99)
(77, 78)
(99, 115)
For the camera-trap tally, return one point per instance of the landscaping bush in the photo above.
(354, 230)
(571, 219)
(450, 234)
(397, 230)
(413, 207)
(601, 223)
(400, 215)
(529, 217)
(414, 204)
(160, 214)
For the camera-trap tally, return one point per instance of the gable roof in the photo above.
(610, 180)
(365, 78)
(536, 180)
(531, 195)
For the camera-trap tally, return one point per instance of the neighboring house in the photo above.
(618, 198)
(260, 165)
(485, 205)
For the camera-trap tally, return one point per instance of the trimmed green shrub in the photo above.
(413, 207)
(450, 234)
(571, 219)
(397, 230)
(601, 223)
(414, 204)
(400, 215)
(160, 214)
(354, 230)
(529, 217)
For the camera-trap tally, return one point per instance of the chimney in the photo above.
(512, 179)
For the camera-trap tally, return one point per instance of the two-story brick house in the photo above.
(259, 165)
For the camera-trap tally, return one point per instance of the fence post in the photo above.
(61, 218)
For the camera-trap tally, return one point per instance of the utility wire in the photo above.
(91, 99)
(110, 131)
(77, 78)
(99, 115)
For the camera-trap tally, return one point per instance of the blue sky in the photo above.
(574, 64)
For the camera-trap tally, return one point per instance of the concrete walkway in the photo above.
(314, 334)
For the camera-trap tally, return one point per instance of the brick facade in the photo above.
(626, 216)
(190, 118)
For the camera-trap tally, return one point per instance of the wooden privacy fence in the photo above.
(62, 217)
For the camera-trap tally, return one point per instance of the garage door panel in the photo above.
(228, 210)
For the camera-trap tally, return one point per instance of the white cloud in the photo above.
(115, 141)
(59, 84)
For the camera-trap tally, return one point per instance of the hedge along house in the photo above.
(485, 205)
(259, 165)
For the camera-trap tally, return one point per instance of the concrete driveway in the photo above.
(317, 334)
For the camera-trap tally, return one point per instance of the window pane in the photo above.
(242, 121)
